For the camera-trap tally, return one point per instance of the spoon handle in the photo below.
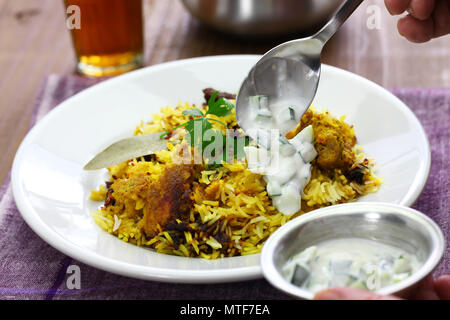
(341, 15)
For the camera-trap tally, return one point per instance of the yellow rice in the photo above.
(240, 210)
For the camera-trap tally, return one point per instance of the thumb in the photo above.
(350, 294)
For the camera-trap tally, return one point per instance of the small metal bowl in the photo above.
(262, 17)
(391, 224)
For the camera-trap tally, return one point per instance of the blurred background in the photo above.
(34, 42)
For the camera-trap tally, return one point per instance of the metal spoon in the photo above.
(289, 73)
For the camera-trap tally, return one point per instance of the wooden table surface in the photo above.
(34, 43)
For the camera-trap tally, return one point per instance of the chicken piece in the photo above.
(333, 152)
(124, 192)
(329, 151)
(333, 140)
(168, 198)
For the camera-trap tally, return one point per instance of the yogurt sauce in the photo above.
(285, 164)
(350, 262)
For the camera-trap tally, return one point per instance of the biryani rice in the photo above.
(231, 214)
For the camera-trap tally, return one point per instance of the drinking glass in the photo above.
(107, 35)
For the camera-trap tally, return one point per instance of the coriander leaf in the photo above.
(213, 147)
(212, 99)
(196, 128)
(221, 107)
(193, 112)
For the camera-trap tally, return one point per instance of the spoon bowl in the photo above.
(288, 75)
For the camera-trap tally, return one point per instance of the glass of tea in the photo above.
(107, 35)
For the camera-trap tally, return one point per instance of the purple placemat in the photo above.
(31, 269)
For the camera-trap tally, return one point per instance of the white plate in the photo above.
(51, 189)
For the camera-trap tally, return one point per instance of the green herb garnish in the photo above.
(221, 107)
(199, 124)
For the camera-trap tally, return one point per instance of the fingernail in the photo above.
(399, 28)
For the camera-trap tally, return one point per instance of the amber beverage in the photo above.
(109, 40)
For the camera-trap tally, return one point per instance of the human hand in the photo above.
(427, 19)
(428, 289)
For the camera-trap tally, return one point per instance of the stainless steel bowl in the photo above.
(391, 224)
(262, 17)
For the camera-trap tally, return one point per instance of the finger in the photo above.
(421, 9)
(397, 6)
(350, 294)
(416, 30)
(441, 17)
(442, 287)
(425, 290)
